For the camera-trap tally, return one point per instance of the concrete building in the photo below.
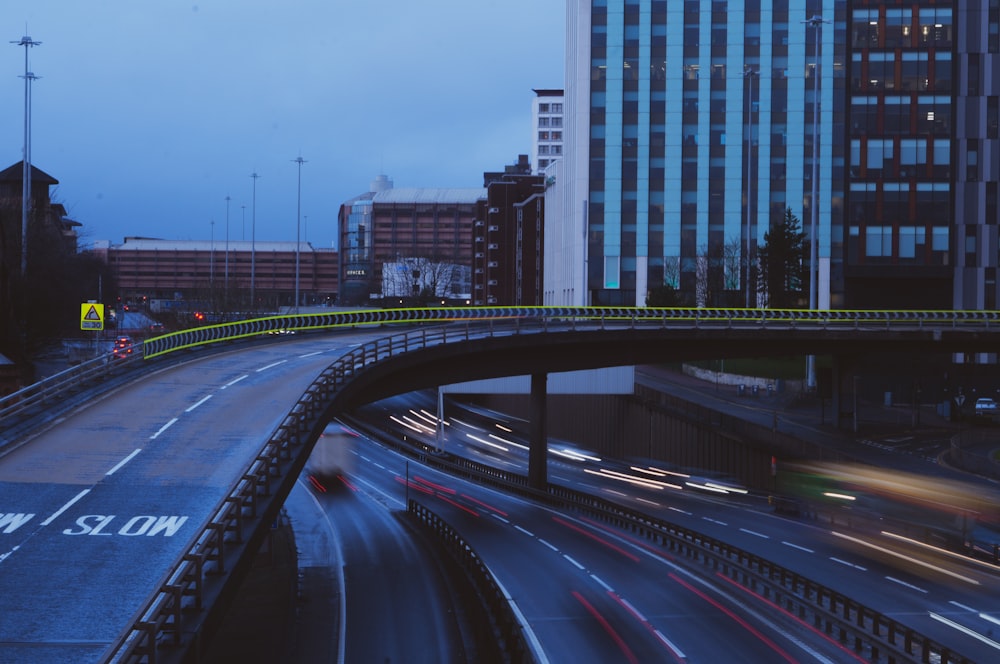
(546, 128)
(690, 129)
(198, 275)
(507, 238)
(398, 226)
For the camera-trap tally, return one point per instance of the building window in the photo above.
(543, 108)
(878, 241)
(543, 135)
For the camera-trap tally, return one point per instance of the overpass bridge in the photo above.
(218, 472)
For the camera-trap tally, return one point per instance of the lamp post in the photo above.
(225, 289)
(211, 265)
(298, 219)
(253, 243)
(750, 74)
(28, 77)
(817, 23)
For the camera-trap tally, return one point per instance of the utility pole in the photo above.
(28, 77)
(253, 244)
(298, 219)
(817, 23)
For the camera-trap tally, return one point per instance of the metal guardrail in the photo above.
(509, 634)
(869, 633)
(184, 588)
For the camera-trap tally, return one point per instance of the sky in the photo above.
(149, 113)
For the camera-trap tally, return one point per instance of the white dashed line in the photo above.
(235, 380)
(677, 509)
(754, 533)
(526, 532)
(602, 584)
(163, 428)
(65, 507)
(198, 403)
(499, 518)
(796, 546)
(548, 545)
(962, 606)
(844, 562)
(271, 366)
(716, 521)
(123, 462)
(302, 357)
(578, 565)
(905, 584)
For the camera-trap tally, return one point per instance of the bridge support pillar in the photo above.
(538, 444)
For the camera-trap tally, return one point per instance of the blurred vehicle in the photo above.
(123, 347)
(986, 407)
(332, 457)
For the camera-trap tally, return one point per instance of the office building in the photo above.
(404, 227)
(690, 127)
(546, 128)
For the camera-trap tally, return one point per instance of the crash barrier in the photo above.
(177, 608)
(512, 646)
(44, 394)
(867, 632)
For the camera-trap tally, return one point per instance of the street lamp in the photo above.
(225, 290)
(817, 23)
(298, 219)
(253, 242)
(28, 77)
(750, 74)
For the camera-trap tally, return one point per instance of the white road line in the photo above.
(965, 630)
(796, 546)
(578, 565)
(844, 562)
(235, 380)
(989, 618)
(163, 428)
(526, 532)
(648, 502)
(721, 523)
(963, 606)
(634, 610)
(548, 545)
(677, 509)
(677, 651)
(499, 518)
(197, 403)
(755, 533)
(65, 507)
(602, 584)
(302, 357)
(907, 585)
(123, 461)
(271, 366)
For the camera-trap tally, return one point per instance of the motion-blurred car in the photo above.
(123, 347)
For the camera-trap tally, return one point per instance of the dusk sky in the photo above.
(150, 113)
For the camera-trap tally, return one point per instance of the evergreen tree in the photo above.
(782, 262)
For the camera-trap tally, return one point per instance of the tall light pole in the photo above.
(211, 264)
(253, 243)
(298, 219)
(750, 74)
(817, 23)
(28, 77)
(243, 228)
(225, 289)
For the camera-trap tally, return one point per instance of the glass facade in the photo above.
(700, 133)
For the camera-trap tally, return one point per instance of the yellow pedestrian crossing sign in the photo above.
(91, 316)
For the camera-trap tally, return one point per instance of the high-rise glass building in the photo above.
(692, 126)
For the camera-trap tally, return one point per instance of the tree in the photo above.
(782, 262)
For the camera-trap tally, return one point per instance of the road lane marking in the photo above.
(677, 651)
(65, 507)
(271, 366)
(602, 584)
(965, 630)
(962, 606)
(578, 565)
(907, 585)
(163, 428)
(124, 461)
(235, 380)
(198, 403)
(499, 518)
(526, 532)
(554, 548)
(755, 533)
(302, 357)
(677, 509)
(716, 521)
(796, 546)
(844, 562)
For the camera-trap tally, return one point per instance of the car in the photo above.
(986, 407)
(123, 347)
